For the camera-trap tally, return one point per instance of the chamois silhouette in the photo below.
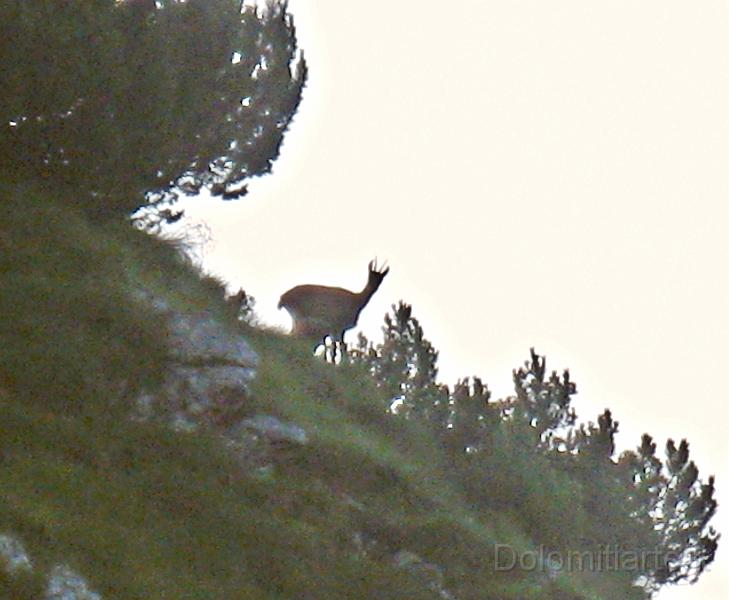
(320, 311)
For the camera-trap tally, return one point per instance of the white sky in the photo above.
(548, 174)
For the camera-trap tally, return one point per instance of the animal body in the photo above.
(319, 311)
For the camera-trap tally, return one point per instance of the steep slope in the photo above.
(304, 487)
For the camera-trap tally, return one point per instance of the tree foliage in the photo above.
(404, 364)
(133, 102)
(528, 453)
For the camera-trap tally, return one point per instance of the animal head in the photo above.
(376, 275)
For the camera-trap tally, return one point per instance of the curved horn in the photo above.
(380, 269)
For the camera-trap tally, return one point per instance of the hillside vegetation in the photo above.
(146, 512)
(143, 511)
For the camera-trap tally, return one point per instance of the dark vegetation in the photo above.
(124, 104)
(145, 512)
(528, 454)
(106, 108)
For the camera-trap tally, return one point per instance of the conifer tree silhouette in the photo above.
(132, 103)
(656, 511)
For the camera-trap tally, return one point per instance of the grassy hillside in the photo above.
(144, 512)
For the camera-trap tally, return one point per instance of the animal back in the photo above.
(318, 311)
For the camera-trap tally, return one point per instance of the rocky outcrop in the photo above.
(13, 556)
(208, 385)
(259, 441)
(431, 575)
(63, 583)
(271, 429)
(212, 367)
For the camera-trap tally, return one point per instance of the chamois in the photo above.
(319, 311)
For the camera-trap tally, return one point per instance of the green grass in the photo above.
(143, 512)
